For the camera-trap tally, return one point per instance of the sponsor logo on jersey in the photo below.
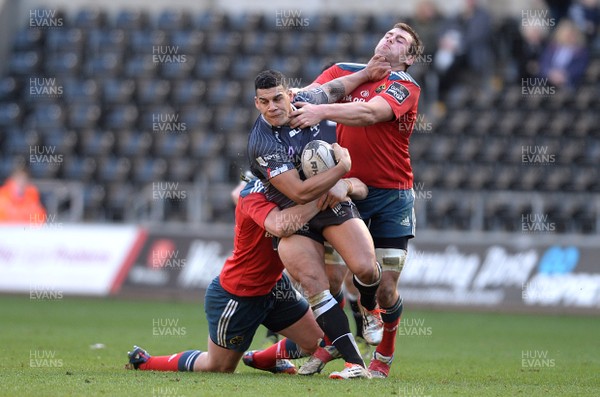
(273, 173)
(405, 221)
(294, 132)
(380, 88)
(398, 91)
(364, 93)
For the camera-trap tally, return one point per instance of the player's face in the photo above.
(274, 104)
(394, 47)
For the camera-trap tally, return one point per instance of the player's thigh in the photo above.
(354, 243)
(303, 259)
(232, 321)
(217, 359)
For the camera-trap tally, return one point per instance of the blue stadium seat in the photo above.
(210, 67)
(131, 19)
(65, 40)
(28, 39)
(106, 40)
(148, 170)
(259, 43)
(10, 114)
(89, 18)
(145, 41)
(152, 91)
(210, 21)
(44, 116)
(113, 169)
(140, 65)
(223, 43)
(78, 91)
(83, 115)
(97, 143)
(103, 65)
(172, 145)
(178, 70)
(173, 19)
(245, 68)
(117, 91)
(25, 63)
(197, 118)
(120, 117)
(79, 168)
(188, 42)
(63, 64)
(182, 169)
(188, 92)
(133, 144)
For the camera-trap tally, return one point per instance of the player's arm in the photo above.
(283, 223)
(304, 191)
(377, 110)
(345, 189)
(336, 89)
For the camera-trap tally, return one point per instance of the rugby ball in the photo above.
(317, 157)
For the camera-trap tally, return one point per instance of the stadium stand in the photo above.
(113, 91)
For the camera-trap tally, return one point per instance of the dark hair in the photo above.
(269, 79)
(416, 48)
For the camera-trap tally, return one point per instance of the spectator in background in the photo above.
(558, 8)
(586, 16)
(565, 58)
(476, 24)
(20, 200)
(528, 50)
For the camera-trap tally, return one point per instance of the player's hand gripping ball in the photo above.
(317, 157)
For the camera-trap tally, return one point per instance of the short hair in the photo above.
(416, 48)
(269, 79)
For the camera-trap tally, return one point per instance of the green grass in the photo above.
(438, 354)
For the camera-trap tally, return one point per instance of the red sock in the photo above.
(388, 343)
(162, 363)
(267, 358)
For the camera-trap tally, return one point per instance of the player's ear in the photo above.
(256, 103)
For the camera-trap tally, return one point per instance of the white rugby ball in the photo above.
(317, 157)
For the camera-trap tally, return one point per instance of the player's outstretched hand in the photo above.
(342, 156)
(378, 68)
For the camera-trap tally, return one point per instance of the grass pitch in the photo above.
(77, 347)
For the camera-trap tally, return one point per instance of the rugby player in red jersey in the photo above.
(375, 123)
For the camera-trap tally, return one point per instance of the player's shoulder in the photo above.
(350, 67)
(402, 76)
(253, 186)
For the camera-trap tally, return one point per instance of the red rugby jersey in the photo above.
(379, 152)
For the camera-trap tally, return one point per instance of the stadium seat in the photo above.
(221, 92)
(223, 43)
(102, 65)
(133, 144)
(25, 63)
(188, 42)
(210, 67)
(117, 91)
(20, 142)
(145, 41)
(248, 21)
(197, 118)
(301, 45)
(152, 91)
(64, 40)
(210, 21)
(79, 168)
(148, 170)
(106, 40)
(28, 39)
(181, 169)
(245, 68)
(172, 145)
(173, 19)
(120, 117)
(331, 44)
(10, 114)
(80, 91)
(83, 115)
(178, 70)
(188, 92)
(113, 169)
(230, 119)
(89, 18)
(140, 66)
(9, 88)
(131, 19)
(259, 43)
(207, 146)
(355, 22)
(63, 64)
(45, 115)
(96, 143)
(93, 198)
